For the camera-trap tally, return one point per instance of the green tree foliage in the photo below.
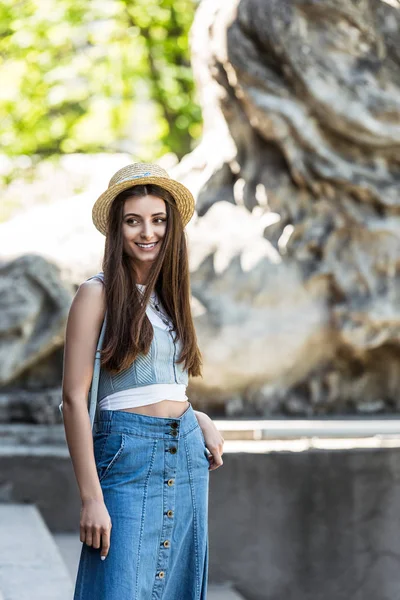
(70, 71)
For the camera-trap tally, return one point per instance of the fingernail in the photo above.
(103, 557)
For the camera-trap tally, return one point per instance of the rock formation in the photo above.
(35, 304)
(296, 243)
(309, 93)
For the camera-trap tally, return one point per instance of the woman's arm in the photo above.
(83, 328)
(201, 417)
(213, 438)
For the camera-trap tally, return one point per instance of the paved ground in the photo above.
(31, 566)
(69, 545)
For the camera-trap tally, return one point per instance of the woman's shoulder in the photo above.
(98, 276)
(88, 306)
(92, 289)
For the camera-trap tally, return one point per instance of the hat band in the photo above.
(134, 177)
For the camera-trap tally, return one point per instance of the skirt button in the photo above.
(161, 574)
(170, 513)
(171, 482)
(172, 450)
(166, 544)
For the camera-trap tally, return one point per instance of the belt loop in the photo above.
(108, 422)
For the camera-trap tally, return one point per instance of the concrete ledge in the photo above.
(31, 567)
(351, 427)
(232, 429)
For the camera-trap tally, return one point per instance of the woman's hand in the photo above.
(213, 438)
(95, 523)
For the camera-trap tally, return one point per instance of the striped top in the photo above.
(150, 378)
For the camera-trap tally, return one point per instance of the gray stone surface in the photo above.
(28, 406)
(302, 101)
(34, 308)
(31, 566)
(308, 526)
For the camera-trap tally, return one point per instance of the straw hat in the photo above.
(138, 174)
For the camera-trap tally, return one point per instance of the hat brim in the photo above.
(182, 196)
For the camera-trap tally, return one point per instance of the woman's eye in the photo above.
(159, 220)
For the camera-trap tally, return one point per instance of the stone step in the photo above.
(31, 565)
(70, 547)
(223, 592)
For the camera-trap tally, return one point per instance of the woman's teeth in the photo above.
(146, 245)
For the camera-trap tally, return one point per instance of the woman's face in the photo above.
(143, 227)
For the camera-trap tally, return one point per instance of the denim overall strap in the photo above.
(96, 373)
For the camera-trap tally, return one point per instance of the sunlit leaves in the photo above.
(70, 71)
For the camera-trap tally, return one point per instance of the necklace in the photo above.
(156, 306)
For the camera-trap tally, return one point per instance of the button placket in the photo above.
(171, 458)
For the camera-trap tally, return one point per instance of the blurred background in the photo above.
(283, 119)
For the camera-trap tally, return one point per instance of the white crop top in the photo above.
(147, 394)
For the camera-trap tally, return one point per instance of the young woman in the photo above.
(143, 474)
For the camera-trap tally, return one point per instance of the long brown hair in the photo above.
(128, 330)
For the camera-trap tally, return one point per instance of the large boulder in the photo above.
(302, 100)
(35, 304)
(295, 244)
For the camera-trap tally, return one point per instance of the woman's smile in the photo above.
(146, 247)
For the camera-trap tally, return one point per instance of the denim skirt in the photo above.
(154, 473)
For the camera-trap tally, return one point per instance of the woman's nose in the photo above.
(147, 230)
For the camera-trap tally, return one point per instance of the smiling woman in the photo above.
(144, 474)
